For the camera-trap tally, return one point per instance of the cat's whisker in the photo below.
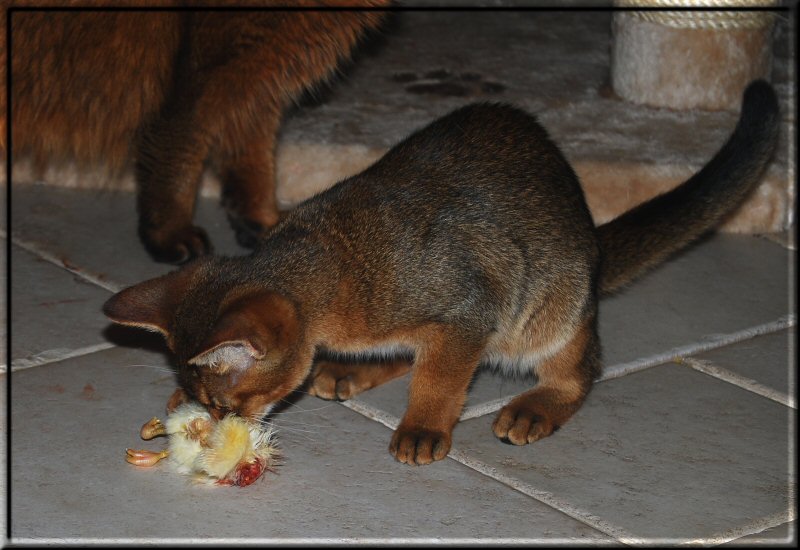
(309, 435)
(154, 367)
(299, 410)
(289, 423)
(295, 429)
(272, 420)
(278, 423)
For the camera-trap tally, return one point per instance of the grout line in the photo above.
(755, 526)
(373, 413)
(54, 355)
(707, 343)
(57, 354)
(64, 264)
(484, 408)
(545, 497)
(709, 368)
(622, 369)
(597, 523)
(786, 242)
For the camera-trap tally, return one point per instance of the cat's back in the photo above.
(485, 156)
(479, 207)
(485, 167)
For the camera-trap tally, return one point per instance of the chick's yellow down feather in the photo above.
(228, 445)
(184, 449)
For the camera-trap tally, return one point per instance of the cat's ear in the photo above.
(151, 304)
(247, 330)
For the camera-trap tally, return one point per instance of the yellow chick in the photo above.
(187, 428)
(231, 451)
(237, 453)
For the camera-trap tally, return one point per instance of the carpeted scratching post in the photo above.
(687, 59)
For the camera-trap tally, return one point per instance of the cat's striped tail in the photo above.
(646, 235)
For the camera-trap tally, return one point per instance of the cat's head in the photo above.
(236, 344)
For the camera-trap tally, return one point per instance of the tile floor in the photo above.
(688, 437)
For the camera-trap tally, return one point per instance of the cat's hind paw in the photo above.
(326, 386)
(342, 381)
(520, 425)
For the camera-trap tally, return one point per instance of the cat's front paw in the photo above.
(248, 232)
(520, 424)
(176, 246)
(416, 446)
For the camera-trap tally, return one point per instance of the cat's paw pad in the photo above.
(177, 246)
(521, 425)
(417, 446)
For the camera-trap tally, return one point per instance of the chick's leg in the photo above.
(144, 458)
(152, 428)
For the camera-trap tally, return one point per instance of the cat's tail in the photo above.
(646, 235)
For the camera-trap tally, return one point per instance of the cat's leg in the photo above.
(341, 381)
(272, 58)
(442, 371)
(178, 398)
(226, 109)
(170, 153)
(238, 73)
(248, 181)
(564, 380)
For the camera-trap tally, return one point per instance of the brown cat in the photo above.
(469, 242)
(174, 89)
